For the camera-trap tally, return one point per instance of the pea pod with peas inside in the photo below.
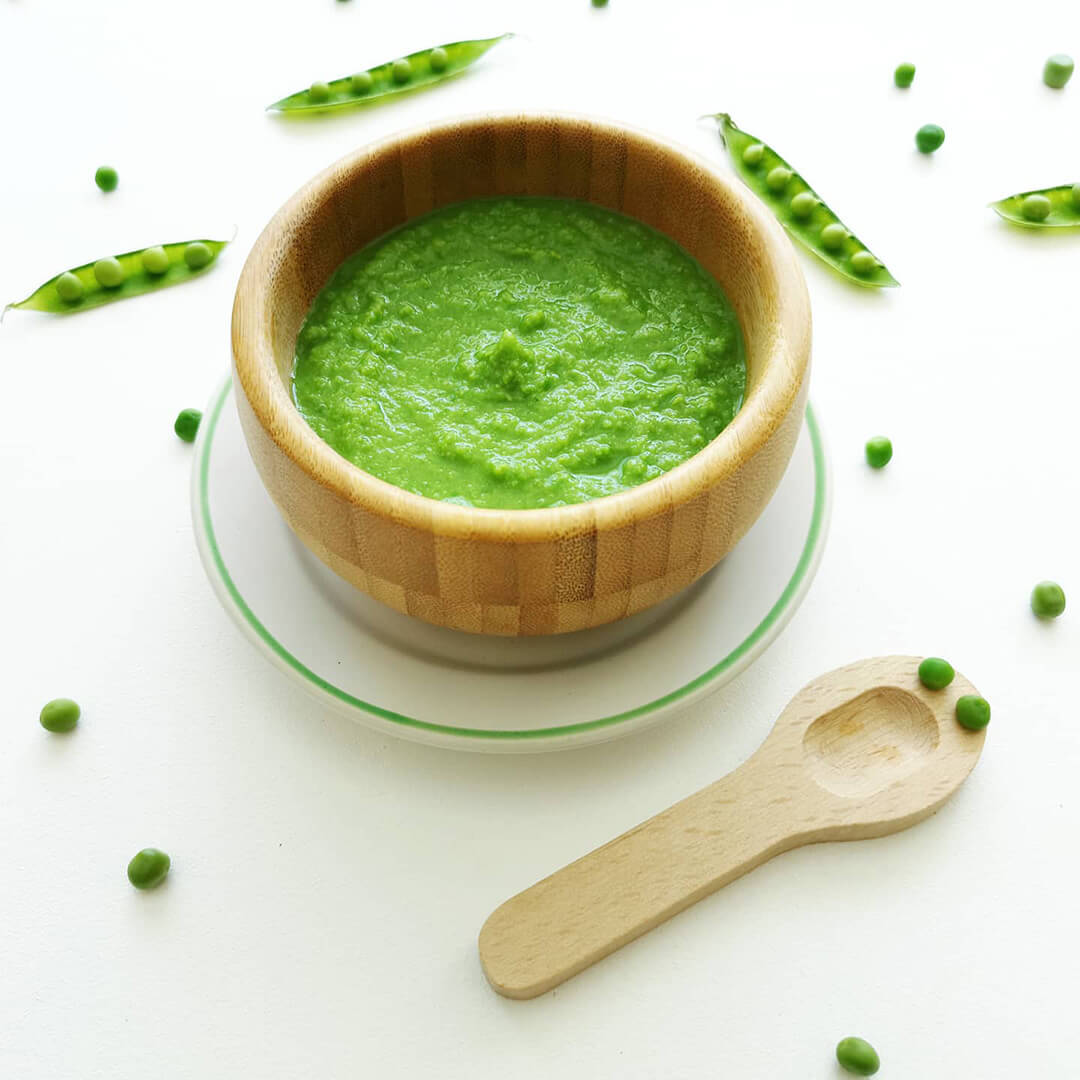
(1047, 208)
(116, 277)
(799, 209)
(395, 76)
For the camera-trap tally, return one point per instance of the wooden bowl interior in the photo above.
(381, 187)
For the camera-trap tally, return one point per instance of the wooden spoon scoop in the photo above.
(863, 751)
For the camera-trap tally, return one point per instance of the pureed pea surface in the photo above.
(519, 352)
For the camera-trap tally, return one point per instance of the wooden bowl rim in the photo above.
(782, 372)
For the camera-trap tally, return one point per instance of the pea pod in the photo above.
(394, 77)
(799, 209)
(1047, 208)
(118, 277)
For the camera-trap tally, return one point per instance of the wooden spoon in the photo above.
(863, 751)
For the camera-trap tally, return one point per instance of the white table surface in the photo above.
(328, 884)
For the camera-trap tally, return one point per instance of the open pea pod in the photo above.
(800, 209)
(394, 77)
(118, 277)
(1046, 208)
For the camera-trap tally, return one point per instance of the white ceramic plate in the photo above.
(422, 682)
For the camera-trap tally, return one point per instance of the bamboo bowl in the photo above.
(522, 572)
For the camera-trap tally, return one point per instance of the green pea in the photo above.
(753, 154)
(438, 58)
(904, 75)
(109, 273)
(197, 255)
(534, 320)
(1074, 196)
(148, 868)
(935, 673)
(862, 262)
(60, 716)
(361, 82)
(106, 178)
(833, 236)
(778, 178)
(1035, 207)
(878, 452)
(599, 3)
(802, 206)
(1048, 599)
(402, 70)
(972, 712)
(155, 260)
(929, 138)
(187, 423)
(69, 287)
(319, 91)
(1058, 70)
(857, 1056)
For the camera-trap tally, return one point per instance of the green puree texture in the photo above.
(519, 352)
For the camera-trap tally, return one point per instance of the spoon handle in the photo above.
(594, 906)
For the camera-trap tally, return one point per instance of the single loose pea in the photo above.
(802, 206)
(929, 138)
(777, 179)
(69, 287)
(972, 712)
(148, 868)
(1035, 207)
(362, 82)
(109, 272)
(1048, 599)
(534, 320)
(1074, 195)
(187, 423)
(753, 153)
(935, 673)
(878, 452)
(197, 255)
(857, 1056)
(402, 70)
(862, 262)
(833, 236)
(319, 91)
(106, 178)
(155, 260)
(438, 58)
(1058, 70)
(599, 3)
(60, 716)
(904, 75)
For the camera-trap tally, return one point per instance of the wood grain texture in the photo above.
(861, 752)
(523, 571)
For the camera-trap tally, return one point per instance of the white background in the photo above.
(328, 884)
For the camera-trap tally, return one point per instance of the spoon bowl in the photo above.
(863, 751)
(870, 741)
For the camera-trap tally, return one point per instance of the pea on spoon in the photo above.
(863, 751)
